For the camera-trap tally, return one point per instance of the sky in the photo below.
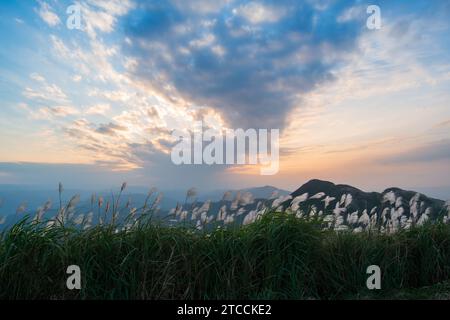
(95, 106)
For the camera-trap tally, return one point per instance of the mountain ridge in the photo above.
(358, 200)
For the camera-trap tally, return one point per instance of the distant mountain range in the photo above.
(258, 193)
(340, 199)
(315, 194)
(14, 196)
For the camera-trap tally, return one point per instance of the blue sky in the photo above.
(96, 106)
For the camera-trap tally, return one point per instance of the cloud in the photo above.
(77, 78)
(46, 13)
(46, 93)
(442, 124)
(223, 59)
(101, 16)
(257, 63)
(37, 77)
(60, 111)
(99, 109)
(352, 13)
(252, 62)
(431, 152)
(110, 128)
(92, 63)
(49, 113)
(257, 13)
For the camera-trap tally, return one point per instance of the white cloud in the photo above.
(45, 92)
(46, 13)
(77, 78)
(205, 41)
(37, 77)
(353, 13)
(93, 63)
(257, 13)
(99, 109)
(102, 15)
(63, 111)
(219, 50)
(59, 46)
(49, 113)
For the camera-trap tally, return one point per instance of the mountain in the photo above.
(315, 195)
(257, 192)
(325, 195)
(265, 192)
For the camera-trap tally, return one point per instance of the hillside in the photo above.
(338, 197)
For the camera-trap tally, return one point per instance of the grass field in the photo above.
(277, 257)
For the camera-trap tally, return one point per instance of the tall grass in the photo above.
(277, 257)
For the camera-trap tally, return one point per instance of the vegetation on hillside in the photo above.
(277, 257)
